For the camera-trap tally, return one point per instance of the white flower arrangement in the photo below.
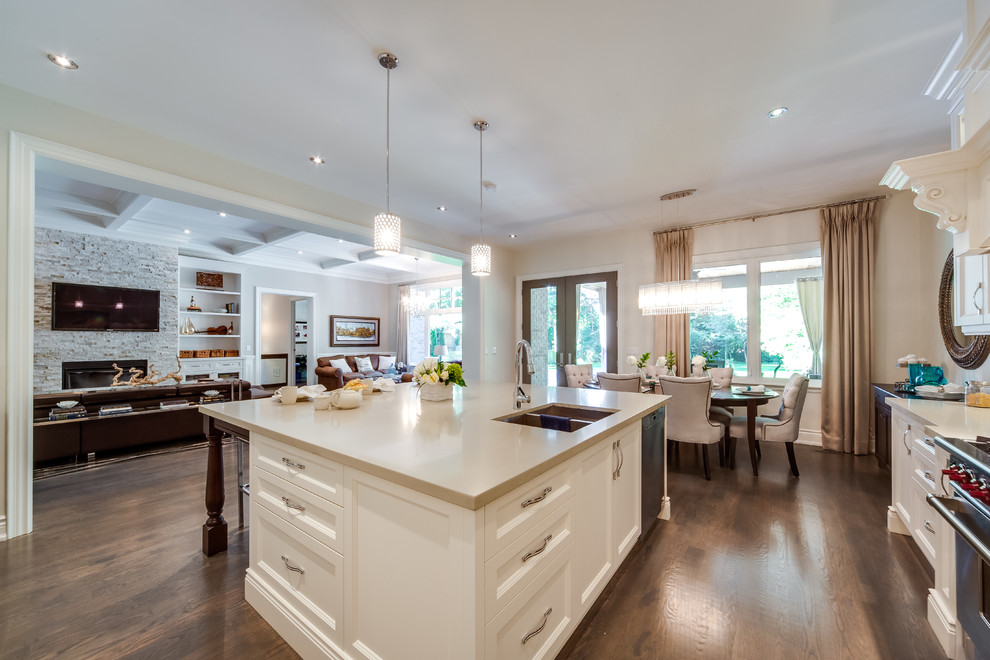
(699, 361)
(432, 370)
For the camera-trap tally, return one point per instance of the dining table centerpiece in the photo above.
(640, 363)
(436, 379)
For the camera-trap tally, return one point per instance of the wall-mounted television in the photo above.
(86, 307)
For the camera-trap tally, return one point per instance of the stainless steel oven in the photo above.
(967, 510)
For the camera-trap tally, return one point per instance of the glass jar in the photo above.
(978, 393)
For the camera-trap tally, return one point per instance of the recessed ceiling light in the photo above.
(512, 236)
(222, 214)
(340, 240)
(185, 231)
(317, 160)
(777, 112)
(298, 251)
(441, 208)
(62, 61)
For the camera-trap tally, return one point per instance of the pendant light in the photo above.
(388, 227)
(481, 253)
(682, 297)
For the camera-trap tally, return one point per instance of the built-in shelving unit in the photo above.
(224, 350)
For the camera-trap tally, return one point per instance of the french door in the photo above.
(571, 320)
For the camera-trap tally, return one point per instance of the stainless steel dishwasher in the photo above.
(653, 468)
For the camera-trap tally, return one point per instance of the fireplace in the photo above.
(96, 373)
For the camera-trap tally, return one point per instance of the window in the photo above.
(770, 315)
(437, 332)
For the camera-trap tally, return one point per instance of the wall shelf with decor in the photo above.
(218, 297)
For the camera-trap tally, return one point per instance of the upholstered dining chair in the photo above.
(722, 380)
(578, 375)
(687, 413)
(620, 382)
(784, 426)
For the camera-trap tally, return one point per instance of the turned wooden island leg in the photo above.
(215, 527)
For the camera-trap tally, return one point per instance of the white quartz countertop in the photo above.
(949, 419)
(452, 450)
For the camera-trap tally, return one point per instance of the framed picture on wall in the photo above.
(354, 331)
(302, 331)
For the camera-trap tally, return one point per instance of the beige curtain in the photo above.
(673, 264)
(848, 268)
(811, 296)
(402, 327)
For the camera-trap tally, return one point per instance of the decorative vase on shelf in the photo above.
(436, 392)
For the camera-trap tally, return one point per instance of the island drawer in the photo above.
(320, 518)
(508, 572)
(320, 476)
(517, 512)
(302, 572)
(537, 621)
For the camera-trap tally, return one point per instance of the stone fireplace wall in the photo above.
(84, 259)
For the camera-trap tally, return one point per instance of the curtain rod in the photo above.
(770, 214)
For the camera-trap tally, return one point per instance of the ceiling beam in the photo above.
(67, 202)
(327, 264)
(270, 238)
(127, 205)
(367, 254)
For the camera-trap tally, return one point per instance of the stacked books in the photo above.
(214, 398)
(75, 412)
(115, 409)
(168, 405)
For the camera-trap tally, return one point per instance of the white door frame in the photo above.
(310, 347)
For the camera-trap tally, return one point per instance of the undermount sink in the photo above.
(577, 416)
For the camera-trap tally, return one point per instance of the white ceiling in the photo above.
(596, 108)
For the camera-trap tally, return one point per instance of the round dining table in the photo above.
(751, 401)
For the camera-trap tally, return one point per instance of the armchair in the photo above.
(578, 375)
(785, 425)
(687, 413)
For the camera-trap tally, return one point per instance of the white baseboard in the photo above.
(3, 528)
(812, 438)
(943, 624)
(894, 522)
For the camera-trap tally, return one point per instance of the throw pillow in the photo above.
(363, 364)
(342, 365)
(385, 362)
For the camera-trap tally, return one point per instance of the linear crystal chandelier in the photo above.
(481, 252)
(683, 296)
(388, 227)
(416, 302)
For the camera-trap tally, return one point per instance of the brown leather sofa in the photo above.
(148, 424)
(333, 378)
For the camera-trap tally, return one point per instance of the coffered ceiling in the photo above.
(596, 108)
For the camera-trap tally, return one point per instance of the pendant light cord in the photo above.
(481, 185)
(388, 118)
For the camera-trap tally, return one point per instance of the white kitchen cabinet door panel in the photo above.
(312, 514)
(593, 525)
(412, 588)
(626, 501)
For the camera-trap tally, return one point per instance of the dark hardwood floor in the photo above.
(768, 567)
(773, 567)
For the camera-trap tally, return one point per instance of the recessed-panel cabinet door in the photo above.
(626, 501)
(592, 525)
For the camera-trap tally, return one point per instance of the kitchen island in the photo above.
(420, 529)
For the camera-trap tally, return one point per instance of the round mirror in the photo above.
(966, 351)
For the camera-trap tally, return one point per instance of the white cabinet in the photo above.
(970, 294)
(345, 564)
(913, 478)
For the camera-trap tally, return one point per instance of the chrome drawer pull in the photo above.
(929, 441)
(530, 555)
(929, 476)
(622, 459)
(538, 498)
(298, 466)
(977, 305)
(290, 505)
(903, 440)
(929, 527)
(546, 617)
(290, 567)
